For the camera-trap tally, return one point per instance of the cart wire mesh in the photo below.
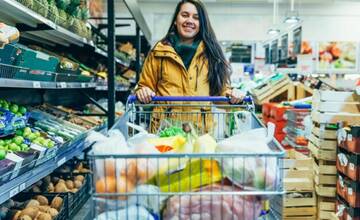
(187, 185)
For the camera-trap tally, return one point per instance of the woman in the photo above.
(188, 61)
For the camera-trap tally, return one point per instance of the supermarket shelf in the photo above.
(27, 179)
(15, 83)
(14, 12)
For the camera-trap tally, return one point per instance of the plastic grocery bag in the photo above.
(213, 206)
(250, 172)
(132, 212)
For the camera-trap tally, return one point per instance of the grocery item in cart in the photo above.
(132, 212)
(213, 206)
(249, 172)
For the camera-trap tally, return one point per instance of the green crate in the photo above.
(36, 60)
(36, 75)
(8, 54)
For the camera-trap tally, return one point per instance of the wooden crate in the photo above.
(326, 207)
(335, 96)
(321, 143)
(324, 167)
(273, 90)
(333, 118)
(298, 172)
(323, 133)
(322, 154)
(325, 190)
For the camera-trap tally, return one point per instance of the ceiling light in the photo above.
(292, 16)
(273, 31)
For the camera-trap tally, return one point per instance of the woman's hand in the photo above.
(145, 95)
(236, 96)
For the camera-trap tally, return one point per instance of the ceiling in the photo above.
(260, 1)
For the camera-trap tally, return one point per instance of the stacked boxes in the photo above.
(300, 198)
(330, 110)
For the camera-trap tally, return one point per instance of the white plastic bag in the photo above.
(250, 172)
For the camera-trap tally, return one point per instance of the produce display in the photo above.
(39, 207)
(54, 127)
(69, 14)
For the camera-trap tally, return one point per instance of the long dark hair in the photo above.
(219, 69)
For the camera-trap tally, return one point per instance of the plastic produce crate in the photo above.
(78, 199)
(8, 54)
(66, 77)
(82, 78)
(9, 71)
(6, 166)
(36, 75)
(36, 60)
(63, 212)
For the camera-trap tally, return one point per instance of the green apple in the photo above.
(2, 142)
(24, 147)
(37, 133)
(18, 140)
(2, 154)
(22, 110)
(27, 131)
(14, 147)
(32, 137)
(51, 144)
(14, 108)
(19, 133)
(8, 141)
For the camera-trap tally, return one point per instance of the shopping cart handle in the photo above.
(133, 98)
(302, 106)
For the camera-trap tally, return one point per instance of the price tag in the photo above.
(36, 85)
(14, 191)
(38, 148)
(349, 137)
(61, 162)
(350, 191)
(63, 85)
(83, 85)
(22, 187)
(352, 166)
(18, 160)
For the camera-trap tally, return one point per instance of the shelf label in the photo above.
(36, 85)
(63, 85)
(38, 148)
(22, 187)
(61, 162)
(83, 85)
(14, 191)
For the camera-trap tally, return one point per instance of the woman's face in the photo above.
(187, 23)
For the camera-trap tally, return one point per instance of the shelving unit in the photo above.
(38, 29)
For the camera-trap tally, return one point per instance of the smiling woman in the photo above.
(188, 61)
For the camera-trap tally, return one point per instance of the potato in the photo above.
(53, 212)
(77, 184)
(17, 215)
(57, 203)
(69, 184)
(61, 187)
(42, 200)
(43, 216)
(74, 190)
(80, 178)
(31, 211)
(25, 217)
(32, 203)
(47, 180)
(44, 208)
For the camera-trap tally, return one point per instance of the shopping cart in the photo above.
(221, 185)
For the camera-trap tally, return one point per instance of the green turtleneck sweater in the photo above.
(185, 51)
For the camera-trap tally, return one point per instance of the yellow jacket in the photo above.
(165, 74)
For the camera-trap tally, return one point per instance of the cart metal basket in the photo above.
(188, 185)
